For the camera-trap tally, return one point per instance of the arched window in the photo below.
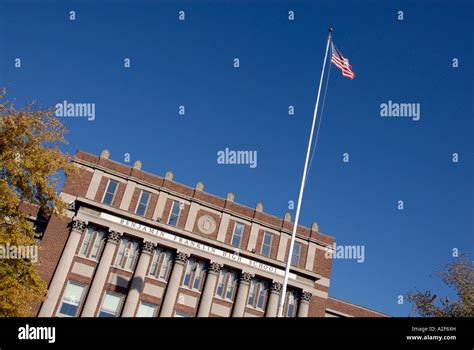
(194, 274)
(258, 294)
(226, 284)
(127, 255)
(291, 303)
(161, 263)
(93, 243)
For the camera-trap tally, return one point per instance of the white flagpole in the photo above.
(300, 197)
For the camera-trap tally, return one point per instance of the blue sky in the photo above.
(190, 63)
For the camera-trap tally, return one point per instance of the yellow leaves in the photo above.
(458, 275)
(30, 154)
(19, 289)
(32, 165)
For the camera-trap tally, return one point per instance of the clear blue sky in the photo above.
(190, 63)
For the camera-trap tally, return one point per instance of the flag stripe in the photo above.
(335, 59)
(341, 65)
(347, 71)
(338, 59)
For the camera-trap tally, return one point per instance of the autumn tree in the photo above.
(31, 168)
(459, 276)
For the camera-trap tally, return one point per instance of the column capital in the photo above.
(305, 297)
(246, 277)
(181, 257)
(114, 236)
(148, 247)
(214, 267)
(276, 287)
(78, 225)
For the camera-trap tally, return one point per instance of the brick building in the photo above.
(136, 244)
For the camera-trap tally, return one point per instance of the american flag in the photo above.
(341, 62)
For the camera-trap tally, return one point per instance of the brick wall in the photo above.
(51, 246)
(77, 184)
(352, 309)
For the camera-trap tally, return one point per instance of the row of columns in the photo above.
(168, 302)
(100, 277)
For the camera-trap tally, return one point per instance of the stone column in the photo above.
(242, 294)
(303, 308)
(169, 299)
(272, 306)
(209, 288)
(62, 269)
(100, 277)
(138, 279)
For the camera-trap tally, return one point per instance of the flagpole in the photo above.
(300, 197)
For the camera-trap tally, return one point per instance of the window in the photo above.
(143, 203)
(40, 228)
(93, 242)
(237, 235)
(127, 254)
(161, 264)
(72, 299)
(175, 212)
(110, 192)
(267, 244)
(258, 294)
(194, 273)
(146, 310)
(226, 284)
(110, 305)
(295, 257)
(291, 300)
(181, 314)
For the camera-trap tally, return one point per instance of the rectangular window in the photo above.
(267, 244)
(166, 265)
(221, 283)
(110, 192)
(262, 294)
(295, 257)
(291, 299)
(181, 314)
(161, 264)
(110, 305)
(146, 310)
(237, 235)
(86, 242)
(72, 299)
(99, 241)
(143, 203)
(188, 274)
(154, 264)
(194, 273)
(175, 212)
(253, 287)
(127, 254)
(231, 281)
(93, 243)
(198, 276)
